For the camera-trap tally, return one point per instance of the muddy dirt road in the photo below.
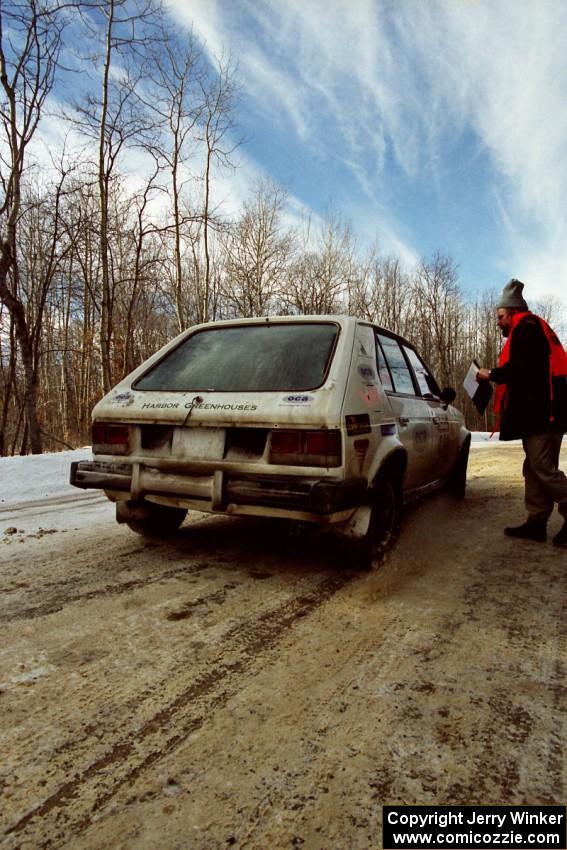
(238, 687)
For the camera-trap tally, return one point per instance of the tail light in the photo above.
(306, 448)
(110, 439)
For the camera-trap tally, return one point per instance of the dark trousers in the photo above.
(545, 483)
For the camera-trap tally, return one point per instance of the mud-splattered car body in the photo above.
(324, 419)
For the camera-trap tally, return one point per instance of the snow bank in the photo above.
(37, 499)
(32, 477)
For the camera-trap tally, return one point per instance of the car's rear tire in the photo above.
(149, 519)
(385, 520)
(458, 482)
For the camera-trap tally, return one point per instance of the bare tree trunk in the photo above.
(204, 300)
(24, 339)
(218, 122)
(26, 78)
(106, 301)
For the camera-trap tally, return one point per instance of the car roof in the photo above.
(339, 318)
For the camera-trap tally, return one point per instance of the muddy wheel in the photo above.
(458, 482)
(384, 523)
(148, 519)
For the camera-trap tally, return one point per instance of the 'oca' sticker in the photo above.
(298, 398)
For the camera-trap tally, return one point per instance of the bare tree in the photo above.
(553, 311)
(175, 98)
(258, 254)
(30, 44)
(117, 118)
(387, 295)
(325, 271)
(217, 134)
(437, 314)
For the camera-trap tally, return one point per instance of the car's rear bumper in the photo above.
(221, 489)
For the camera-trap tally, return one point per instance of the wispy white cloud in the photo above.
(376, 83)
(206, 18)
(300, 66)
(499, 69)
(272, 85)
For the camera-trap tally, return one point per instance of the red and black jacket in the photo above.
(531, 396)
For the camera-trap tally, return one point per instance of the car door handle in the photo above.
(435, 420)
(403, 420)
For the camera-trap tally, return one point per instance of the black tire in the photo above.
(149, 519)
(385, 520)
(458, 482)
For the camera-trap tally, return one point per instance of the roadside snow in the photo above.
(37, 499)
(484, 439)
(32, 477)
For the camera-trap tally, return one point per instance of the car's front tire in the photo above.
(458, 482)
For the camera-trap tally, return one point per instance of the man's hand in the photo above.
(483, 375)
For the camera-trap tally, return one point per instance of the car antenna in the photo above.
(195, 401)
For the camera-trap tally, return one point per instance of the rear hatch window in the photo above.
(248, 358)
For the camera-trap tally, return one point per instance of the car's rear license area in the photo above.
(217, 468)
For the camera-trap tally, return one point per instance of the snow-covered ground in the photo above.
(36, 497)
(483, 438)
(33, 477)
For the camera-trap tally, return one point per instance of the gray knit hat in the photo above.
(511, 297)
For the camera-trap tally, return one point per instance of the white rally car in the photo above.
(321, 419)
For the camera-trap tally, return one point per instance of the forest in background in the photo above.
(120, 237)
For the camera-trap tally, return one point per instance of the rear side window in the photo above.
(425, 380)
(248, 358)
(383, 371)
(402, 380)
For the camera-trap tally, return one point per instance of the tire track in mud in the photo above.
(60, 602)
(307, 784)
(141, 749)
(92, 566)
(510, 727)
(70, 589)
(178, 667)
(47, 505)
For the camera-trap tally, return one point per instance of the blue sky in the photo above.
(427, 124)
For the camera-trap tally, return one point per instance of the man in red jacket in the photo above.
(530, 403)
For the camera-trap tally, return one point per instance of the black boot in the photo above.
(534, 529)
(560, 538)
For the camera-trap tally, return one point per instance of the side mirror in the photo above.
(448, 395)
